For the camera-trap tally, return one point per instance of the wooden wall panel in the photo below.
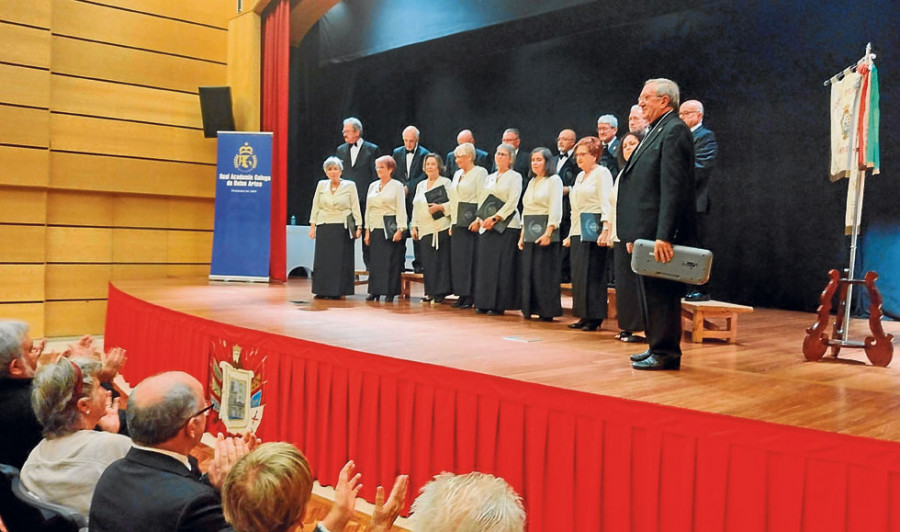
(23, 206)
(136, 67)
(138, 271)
(25, 46)
(139, 245)
(190, 247)
(74, 318)
(136, 176)
(32, 13)
(209, 12)
(77, 281)
(187, 270)
(114, 137)
(25, 166)
(139, 211)
(21, 282)
(24, 86)
(136, 30)
(24, 126)
(191, 213)
(30, 313)
(244, 68)
(79, 208)
(22, 243)
(114, 100)
(79, 244)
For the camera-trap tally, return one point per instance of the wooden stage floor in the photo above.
(764, 376)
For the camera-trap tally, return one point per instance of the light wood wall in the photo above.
(104, 171)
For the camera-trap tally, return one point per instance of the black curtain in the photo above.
(776, 225)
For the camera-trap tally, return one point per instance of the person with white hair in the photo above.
(607, 127)
(474, 502)
(637, 124)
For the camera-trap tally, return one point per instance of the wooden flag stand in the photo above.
(879, 347)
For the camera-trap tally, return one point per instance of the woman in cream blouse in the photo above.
(466, 188)
(590, 194)
(541, 260)
(433, 233)
(628, 302)
(497, 281)
(334, 200)
(387, 249)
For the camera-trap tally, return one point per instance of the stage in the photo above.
(747, 436)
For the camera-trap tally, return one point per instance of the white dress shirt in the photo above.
(333, 207)
(466, 188)
(508, 187)
(590, 193)
(389, 200)
(544, 197)
(421, 218)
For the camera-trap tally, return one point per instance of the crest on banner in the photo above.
(236, 381)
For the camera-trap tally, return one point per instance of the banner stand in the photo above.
(241, 235)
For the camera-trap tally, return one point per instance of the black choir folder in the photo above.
(689, 265)
(536, 226)
(591, 227)
(351, 225)
(390, 226)
(437, 195)
(489, 207)
(465, 213)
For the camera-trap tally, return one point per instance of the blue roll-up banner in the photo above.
(243, 205)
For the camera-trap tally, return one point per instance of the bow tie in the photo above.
(409, 152)
(563, 154)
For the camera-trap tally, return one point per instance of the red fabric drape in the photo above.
(582, 462)
(276, 37)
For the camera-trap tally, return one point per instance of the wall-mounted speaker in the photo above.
(215, 105)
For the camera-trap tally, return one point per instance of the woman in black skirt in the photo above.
(385, 201)
(334, 200)
(590, 194)
(541, 262)
(628, 302)
(465, 190)
(497, 280)
(433, 233)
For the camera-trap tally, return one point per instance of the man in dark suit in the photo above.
(358, 156)
(705, 151)
(656, 202)
(636, 122)
(157, 486)
(482, 158)
(410, 172)
(565, 167)
(607, 127)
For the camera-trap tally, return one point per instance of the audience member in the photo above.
(157, 486)
(18, 362)
(69, 402)
(475, 502)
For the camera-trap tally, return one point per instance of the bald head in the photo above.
(161, 405)
(565, 141)
(465, 136)
(691, 112)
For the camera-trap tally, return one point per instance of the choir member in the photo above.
(466, 190)
(385, 202)
(433, 233)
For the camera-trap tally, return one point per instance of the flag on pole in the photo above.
(844, 119)
(869, 120)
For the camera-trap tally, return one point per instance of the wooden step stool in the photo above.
(699, 313)
(406, 280)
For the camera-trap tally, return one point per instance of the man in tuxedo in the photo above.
(482, 158)
(607, 127)
(157, 486)
(656, 202)
(522, 160)
(705, 151)
(636, 122)
(358, 156)
(410, 172)
(565, 167)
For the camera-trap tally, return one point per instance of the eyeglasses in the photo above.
(685, 113)
(643, 99)
(200, 413)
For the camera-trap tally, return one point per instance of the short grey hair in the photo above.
(413, 129)
(160, 421)
(508, 148)
(353, 121)
(637, 108)
(667, 87)
(12, 334)
(609, 119)
(475, 501)
(466, 148)
(52, 393)
(333, 161)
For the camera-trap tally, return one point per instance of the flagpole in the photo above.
(859, 176)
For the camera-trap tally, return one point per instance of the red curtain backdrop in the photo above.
(276, 36)
(582, 462)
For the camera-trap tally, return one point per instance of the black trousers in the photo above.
(661, 306)
(628, 296)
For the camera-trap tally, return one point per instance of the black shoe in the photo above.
(388, 299)
(466, 304)
(658, 362)
(494, 312)
(426, 299)
(633, 339)
(578, 324)
(545, 318)
(438, 300)
(591, 325)
(481, 311)
(643, 355)
(458, 303)
(696, 295)
(372, 297)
